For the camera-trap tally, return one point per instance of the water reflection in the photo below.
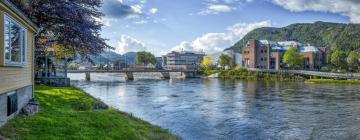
(234, 109)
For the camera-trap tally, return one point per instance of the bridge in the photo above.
(311, 73)
(129, 74)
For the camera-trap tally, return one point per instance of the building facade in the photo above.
(265, 54)
(16, 60)
(182, 60)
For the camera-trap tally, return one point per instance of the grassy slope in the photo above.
(241, 73)
(66, 113)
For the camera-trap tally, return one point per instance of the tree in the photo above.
(292, 58)
(338, 59)
(74, 24)
(207, 63)
(226, 61)
(353, 60)
(145, 58)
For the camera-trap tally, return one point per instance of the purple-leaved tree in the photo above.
(73, 24)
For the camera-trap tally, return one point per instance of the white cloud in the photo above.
(141, 22)
(216, 42)
(349, 8)
(153, 10)
(239, 30)
(212, 42)
(129, 44)
(183, 46)
(137, 9)
(220, 8)
(105, 21)
(216, 9)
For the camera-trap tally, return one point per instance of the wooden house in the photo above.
(16, 60)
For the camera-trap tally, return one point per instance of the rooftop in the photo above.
(285, 45)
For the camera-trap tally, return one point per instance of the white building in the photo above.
(182, 60)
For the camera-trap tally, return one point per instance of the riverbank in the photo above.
(68, 113)
(241, 73)
(319, 81)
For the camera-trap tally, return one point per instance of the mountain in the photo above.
(337, 36)
(110, 56)
(130, 58)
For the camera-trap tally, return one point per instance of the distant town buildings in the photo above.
(182, 60)
(265, 54)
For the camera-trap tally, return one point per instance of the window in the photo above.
(11, 103)
(14, 42)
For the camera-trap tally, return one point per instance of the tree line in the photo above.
(338, 60)
(224, 62)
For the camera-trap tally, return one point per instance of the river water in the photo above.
(206, 109)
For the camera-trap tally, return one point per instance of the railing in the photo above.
(311, 73)
(128, 70)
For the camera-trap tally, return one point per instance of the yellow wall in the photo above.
(12, 78)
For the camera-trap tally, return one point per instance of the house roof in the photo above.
(309, 49)
(290, 43)
(16, 10)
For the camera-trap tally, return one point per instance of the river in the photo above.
(206, 109)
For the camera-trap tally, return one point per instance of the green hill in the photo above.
(337, 36)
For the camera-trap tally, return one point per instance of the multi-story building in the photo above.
(182, 60)
(265, 54)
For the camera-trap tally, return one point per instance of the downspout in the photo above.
(33, 59)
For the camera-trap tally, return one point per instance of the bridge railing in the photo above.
(125, 71)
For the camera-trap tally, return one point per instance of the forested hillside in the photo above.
(337, 36)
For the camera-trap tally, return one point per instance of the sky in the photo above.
(161, 26)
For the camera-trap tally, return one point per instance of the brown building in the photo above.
(264, 54)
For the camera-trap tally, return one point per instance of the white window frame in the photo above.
(23, 45)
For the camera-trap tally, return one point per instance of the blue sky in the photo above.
(160, 26)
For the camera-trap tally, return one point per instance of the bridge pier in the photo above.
(165, 75)
(129, 76)
(188, 74)
(87, 76)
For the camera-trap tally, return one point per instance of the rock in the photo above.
(100, 106)
(31, 108)
(2, 138)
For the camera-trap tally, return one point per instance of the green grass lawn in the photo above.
(208, 72)
(67, 113)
